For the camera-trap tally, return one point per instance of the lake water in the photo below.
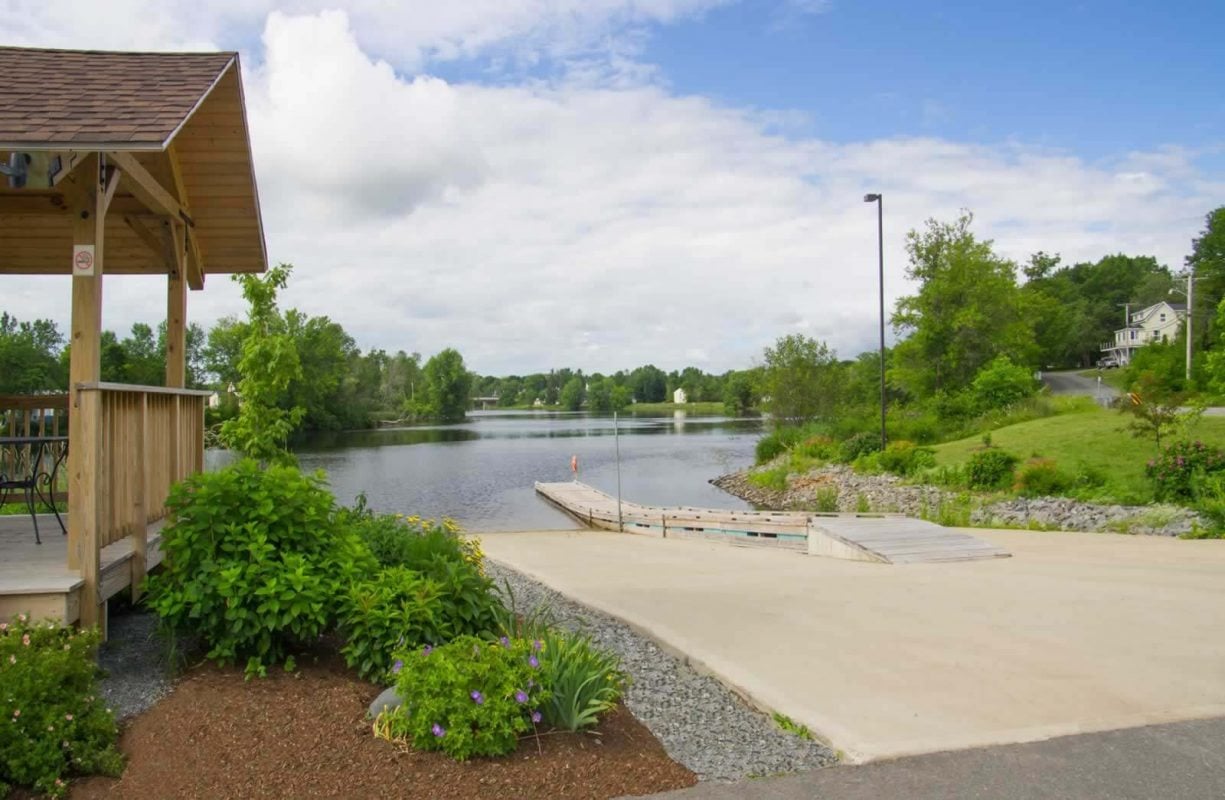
(481, 472)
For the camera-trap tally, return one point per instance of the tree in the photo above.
(1157, 410)
(968, 310)
(649, 384)
(269, 363)
(571, 397)
(448, 386)
(800, 380)
(1207, 262)
(30, 356)
(739, 394)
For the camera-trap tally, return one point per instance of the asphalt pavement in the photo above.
(1072, 382)
(1178, 761)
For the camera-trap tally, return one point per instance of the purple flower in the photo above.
(505, 642)
(396, 667)
(536, 646)
(536, 717)
(477, 698)
(533, 661)
(438, 731)
(425, 651)
(520, 696)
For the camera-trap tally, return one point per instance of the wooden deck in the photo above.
(34, 578)
(883, 538)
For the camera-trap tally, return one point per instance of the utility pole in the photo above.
(1190, 307)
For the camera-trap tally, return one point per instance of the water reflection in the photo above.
(481, 472)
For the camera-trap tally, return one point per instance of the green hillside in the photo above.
(1096, 439)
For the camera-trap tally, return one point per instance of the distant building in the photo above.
(680, 397)
(1160, 322)
(538, 403)
(214, 400)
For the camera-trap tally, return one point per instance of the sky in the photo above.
(606, 183)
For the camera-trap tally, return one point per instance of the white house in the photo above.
(680, 397)
(1160, 322)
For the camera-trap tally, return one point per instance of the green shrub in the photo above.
(819, 447)
(952, 476)
(1210, 501)
(467, 698)
(906, 458)
(468, 602)
(776, 442)
(1002, 383)
(1174, 471)
(394, 609)
(827, 498)
(774, 479)
(862, 504)
(1041, 477)
(858, 445)
(582, 680)
(52, 723)
(255, 562)
(990, 469)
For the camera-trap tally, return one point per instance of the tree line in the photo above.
(979, 326)
(975, 317)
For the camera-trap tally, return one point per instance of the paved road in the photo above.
(1179, 761)
(1074, 383)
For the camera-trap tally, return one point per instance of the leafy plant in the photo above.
(52, 723)
(1174, 470)
(1041, 477)
(827, 498)
(906, 458)
(776, 442)
(255, 562)
(583, 681)
(1210, 501)
(467, 698)
(522, 623)
(990, 469)
(1002, 383)
(789, 725)
(269, 363)
(858, 445)
(862, 504)
(396, 608)
(774, 479)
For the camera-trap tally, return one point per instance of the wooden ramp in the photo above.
(895, 540)
(884, 538)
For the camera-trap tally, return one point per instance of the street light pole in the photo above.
(880, 239)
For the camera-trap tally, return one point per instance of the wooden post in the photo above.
(85, 501)
(140, 540)
(176, 330)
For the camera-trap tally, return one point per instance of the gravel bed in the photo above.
(701, 723)
(133, 659)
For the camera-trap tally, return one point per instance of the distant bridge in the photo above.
(486, 402)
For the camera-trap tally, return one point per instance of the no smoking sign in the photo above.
(83, 259)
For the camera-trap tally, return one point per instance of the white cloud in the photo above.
(607, 225)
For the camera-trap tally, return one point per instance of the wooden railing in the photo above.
(33, 415)
(129, 445)
(152, 438)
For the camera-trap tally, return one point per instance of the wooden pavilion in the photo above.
(117, 164)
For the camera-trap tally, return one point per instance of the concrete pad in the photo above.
(1075, 633)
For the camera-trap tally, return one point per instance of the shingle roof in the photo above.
(72, 97)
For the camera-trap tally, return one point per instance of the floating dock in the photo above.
(883, 538)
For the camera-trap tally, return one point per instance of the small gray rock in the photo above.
(386, 701)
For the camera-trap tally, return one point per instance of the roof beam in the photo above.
(149, 191)
(195, 264)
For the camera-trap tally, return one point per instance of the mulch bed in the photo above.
(306, 735)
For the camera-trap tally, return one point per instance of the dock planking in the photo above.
(884, 538)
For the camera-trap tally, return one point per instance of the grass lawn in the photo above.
(1096, 439)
